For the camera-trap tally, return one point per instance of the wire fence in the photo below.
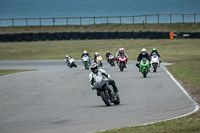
(138, 19)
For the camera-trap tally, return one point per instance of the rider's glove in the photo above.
(92, 87)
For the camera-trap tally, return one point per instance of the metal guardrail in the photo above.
(138, 19)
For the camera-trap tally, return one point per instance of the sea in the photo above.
(21, 9)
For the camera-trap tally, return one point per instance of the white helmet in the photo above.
(143, 51)
(96, 53)
(85, 52)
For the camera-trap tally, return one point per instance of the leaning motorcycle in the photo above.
(155, 62)
(111, 60)
(99, 61)
(86, 61)
(122, 62)
(71, 63)
(144, 67)
(106, 91)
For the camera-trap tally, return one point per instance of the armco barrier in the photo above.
(20, 37)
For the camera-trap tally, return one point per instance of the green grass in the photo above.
(6, 72)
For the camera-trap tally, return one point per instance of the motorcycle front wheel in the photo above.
(106, 97)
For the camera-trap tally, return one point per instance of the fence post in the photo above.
(133, 19)
(67, 20)
(170, 18)
(53, 21)
(80, 20)
(183, 18)
(13, 24)
(120, 19)
(40, 22)
(145, 19)
(194, 18)
(158, 19)
(107, 20)
(94, 20)
(26, 22)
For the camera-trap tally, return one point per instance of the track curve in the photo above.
(59, 99)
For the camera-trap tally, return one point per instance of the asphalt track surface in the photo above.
(58, 99)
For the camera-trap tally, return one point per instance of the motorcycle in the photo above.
(155, 62)
(122, 62)
(111, 60)
(144, 67)
(86, 61)
(105, 90)
(71, 63)
(99, 61)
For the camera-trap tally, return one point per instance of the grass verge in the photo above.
(174, 27)
(6, 72)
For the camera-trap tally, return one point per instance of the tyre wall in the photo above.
(93, 35)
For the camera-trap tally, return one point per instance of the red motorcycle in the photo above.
(122, 62)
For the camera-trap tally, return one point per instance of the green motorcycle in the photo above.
(144, 67)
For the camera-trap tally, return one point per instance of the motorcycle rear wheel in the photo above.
(144, 72)
(106, 97)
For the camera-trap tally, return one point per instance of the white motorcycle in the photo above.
(155, 62)
(99, 61)
(71, 63)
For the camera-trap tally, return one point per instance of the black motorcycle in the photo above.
(106, 91)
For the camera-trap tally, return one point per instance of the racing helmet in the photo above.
(96, 53)
(94, 68)
(122, 50)
(107, 52)
(154, 49)
(85, 52)
(66, 56)
(143, 51)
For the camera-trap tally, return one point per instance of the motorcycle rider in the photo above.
(143, 54)
(95, 56)
(107, 55)
(67, 58)
(154, 50)
(85, 53)
(121, 52)
(96, 71)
